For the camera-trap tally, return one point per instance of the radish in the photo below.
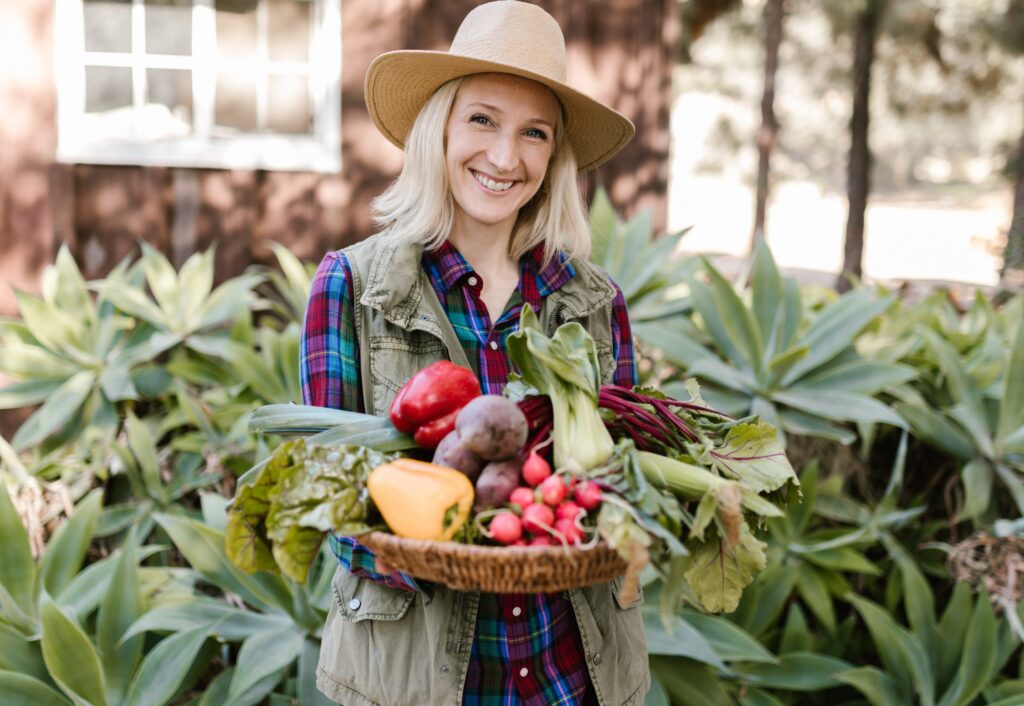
(552, 490)
(588, 495)
(522, 497)
(538, 518)
(535, 469)
(506, 528)
(568, 511)
(541, 541)
(573, 534)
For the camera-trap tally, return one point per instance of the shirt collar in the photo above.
(447, 266)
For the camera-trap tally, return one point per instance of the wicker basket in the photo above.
(498, 569)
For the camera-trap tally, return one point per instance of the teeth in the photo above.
(493, 185)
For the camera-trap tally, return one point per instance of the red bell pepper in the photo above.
(429, 401)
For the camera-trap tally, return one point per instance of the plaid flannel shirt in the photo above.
(526, 648)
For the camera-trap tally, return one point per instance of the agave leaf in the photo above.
(68, 546)
(263, 654)
(767, 298)
(225, 622)
(17, 569)
(723, 374)
(865, 377)
(878, 687)
(705, 304)
(70, 657)
(224, 302)
(796, 671)
(901, 652)
(834, 329)
(836, 404)
(978, 660)
(935, 429)
(737, 321)
(1011, 405)
(163, 283)
(196, 281)
(164, 668)
(17, 688)
(29, 392)
(121, 606)
(132, 301)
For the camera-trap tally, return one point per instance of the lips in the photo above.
(492, 184)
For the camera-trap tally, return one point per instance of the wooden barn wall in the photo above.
(620, 51)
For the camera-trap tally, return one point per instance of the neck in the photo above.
(484, 247)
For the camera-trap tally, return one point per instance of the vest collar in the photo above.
(397, 287)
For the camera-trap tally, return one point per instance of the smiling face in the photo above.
(499, 139)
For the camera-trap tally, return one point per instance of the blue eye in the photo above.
(536, 133)
(480, 119)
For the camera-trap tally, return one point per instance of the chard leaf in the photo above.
(752, 453)
(719, 577)
(277, 522)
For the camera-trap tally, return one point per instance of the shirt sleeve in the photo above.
(329, 371)
(328, 351)
(622, 342)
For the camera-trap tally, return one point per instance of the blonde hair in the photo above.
(418, 206)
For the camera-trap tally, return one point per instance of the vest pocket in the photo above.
(361, 599)
(623, 601)
(394, 360)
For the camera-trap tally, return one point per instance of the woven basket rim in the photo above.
(482, 552)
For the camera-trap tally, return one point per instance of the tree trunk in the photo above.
(1013, 256)
(773, 14)
(859, 168)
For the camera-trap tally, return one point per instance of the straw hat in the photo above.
(508, 37)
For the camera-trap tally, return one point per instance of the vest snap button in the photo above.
(444, 667)
(354, 604)
(597, 658)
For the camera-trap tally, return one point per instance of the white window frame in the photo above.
(79, 141)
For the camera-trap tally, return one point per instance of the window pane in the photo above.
(236, 29)
(107, 88)
(236, 101)
(169, 110)
(169, 27)
(288, 105)
(108, 25)
(288, 30)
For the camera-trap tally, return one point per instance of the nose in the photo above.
(504, 152)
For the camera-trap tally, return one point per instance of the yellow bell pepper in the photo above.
(421, 500)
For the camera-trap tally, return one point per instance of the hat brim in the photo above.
(398, 84)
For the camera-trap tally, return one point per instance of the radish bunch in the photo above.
(547, 510)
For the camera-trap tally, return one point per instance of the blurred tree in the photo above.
(1009, 31)
(859, 163)
(774, 13)
(695, 16)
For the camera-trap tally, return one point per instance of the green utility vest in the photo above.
(387, 647)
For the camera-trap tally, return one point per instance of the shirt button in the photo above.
(523, 672)
(597, 658)
(354, 604)
(517, 611)
(472, 281)
(494, 345)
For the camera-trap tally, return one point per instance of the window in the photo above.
(231, 84)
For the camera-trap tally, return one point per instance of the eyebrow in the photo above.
(496, 109)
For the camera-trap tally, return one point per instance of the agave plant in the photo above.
(765, 358)
(972, 409)
(76, 356)
(51, 650)
(649, 270)
(289, 287)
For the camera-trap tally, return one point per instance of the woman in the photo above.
(485, 218)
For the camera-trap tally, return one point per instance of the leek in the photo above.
(565, 368)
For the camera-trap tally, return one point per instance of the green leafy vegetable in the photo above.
(565, 367)
(277, 522)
